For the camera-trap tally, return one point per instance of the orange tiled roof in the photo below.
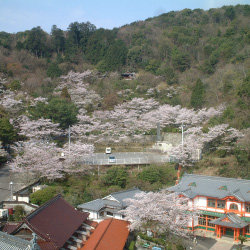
(91, 223)
(110, 234)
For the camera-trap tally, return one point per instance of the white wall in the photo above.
(230, 202)
(200, 202)
(26, 199)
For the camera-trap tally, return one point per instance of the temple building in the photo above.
(224, 204)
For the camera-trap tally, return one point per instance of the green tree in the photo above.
(65, 94)
(116, 176)
(42, 196)
(162, 174)
(244, 90)
(15, 85)
(58, 110)
(229, 12)
(134, 56)
(19, 213)
(180, 60)
(36, 42)
(5, 40)
(198, 95)
(57, 39)
(53, 70)
(150, 174)
(116, 56)
(7, 131)
(98, 45)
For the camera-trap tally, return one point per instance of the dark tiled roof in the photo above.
(230, 220)
(26, 190)
(110, 234)
(55, 221)
(212, 186)
(10, 227)
(10, 242)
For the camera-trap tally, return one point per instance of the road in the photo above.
(5, 178)
(126, 158)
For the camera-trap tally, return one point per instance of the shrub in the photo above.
(42, 196)
(132, 245)
(15, 85)
(19, 213)
(116, 176)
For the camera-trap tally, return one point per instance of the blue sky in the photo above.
(21, 15)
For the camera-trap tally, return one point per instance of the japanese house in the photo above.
(57, 224)
(108, 206)
(224, 204)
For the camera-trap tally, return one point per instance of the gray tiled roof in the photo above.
(234, 221)
(96, 205)
(10, 242)
(122, 195)
(192, 185)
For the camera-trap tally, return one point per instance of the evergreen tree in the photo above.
(7, 132)
(198, 94)
(116, 55)
(65, 94)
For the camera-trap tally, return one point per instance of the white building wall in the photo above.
(195, 222)
(200, 202)
(118, 216)
(92, 214)
(232, 202)
(26, 199)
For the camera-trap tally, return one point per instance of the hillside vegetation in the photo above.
(193, 58)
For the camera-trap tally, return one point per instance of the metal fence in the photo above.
(128, 160)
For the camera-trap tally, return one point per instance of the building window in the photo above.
(248, 229)
(233, 206)
(247, 207)
(209, 218)
(202, 221)
(109, 213)
(211, 202)
(221, 204)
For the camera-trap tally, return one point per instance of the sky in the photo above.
(21, 15)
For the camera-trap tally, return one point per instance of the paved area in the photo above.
(126, 158)
(212, 243)
(5, 178)
(209, 243)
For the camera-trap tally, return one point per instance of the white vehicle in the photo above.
(112, 159)
(108, 151)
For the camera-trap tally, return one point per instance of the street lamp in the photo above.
(11, 191)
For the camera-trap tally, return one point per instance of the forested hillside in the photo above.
(186, 60)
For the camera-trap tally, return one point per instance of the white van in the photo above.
(108, 151)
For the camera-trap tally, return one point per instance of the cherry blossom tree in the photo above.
(41, 129)
(46, 160)
(38, 160)
(74, 155)
(9, 101)
(195, 140)
(162, 212)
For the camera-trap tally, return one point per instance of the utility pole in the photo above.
(182, 135)
(11, 191)
(69, 139)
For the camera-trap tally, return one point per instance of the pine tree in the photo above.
(198, 94)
